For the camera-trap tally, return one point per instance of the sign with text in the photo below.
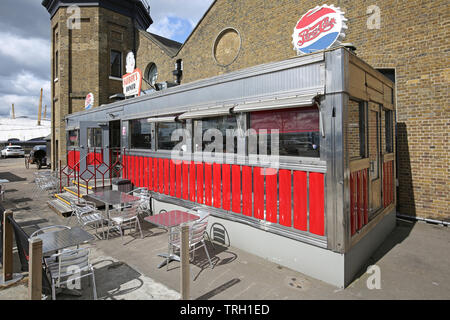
(132, 83)
(89, 102)
(319, 29)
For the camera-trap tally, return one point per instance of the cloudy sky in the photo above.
(25, 49)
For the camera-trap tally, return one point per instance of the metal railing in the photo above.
(94, 166)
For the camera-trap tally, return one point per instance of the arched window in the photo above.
(151, 73)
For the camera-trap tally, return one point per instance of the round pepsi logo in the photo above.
(319, 29)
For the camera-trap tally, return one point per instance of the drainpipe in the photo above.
(423, 219)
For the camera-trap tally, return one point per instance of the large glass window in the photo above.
(151, 74)
(73, 138)
(215, 127)
(164, 135)
(94, 136)
(116, 63)
(140, 134)
(298, 131)
(356, 130)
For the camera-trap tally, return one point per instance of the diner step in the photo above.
(60, 207)
(74, 191)
(66, 197)
(92, 184)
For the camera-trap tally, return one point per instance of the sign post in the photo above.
(132, 81)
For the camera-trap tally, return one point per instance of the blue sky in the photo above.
(25, 60)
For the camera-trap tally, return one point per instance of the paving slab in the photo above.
(413, 262)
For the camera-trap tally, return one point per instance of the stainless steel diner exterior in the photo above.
(328, 213)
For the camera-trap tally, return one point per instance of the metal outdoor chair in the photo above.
(87, 215)
(125, 216)
(196, 238)
(69, 266)
(144, 202)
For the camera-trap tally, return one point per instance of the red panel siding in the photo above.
(208, 184)
(271, 194)
(141, 171)
(155, 175)
(365, 197)
(285, 187)
(258, 193)
(166, 176)
(200, 182)
(353, 207)
(316, 203)
(145, 172)
(161, 175)
(300, 201)
(124, 166)
(247, 191)
(236, 188)
(185, 180)
(172, 178)
(226, 187)
(178, 165)
(150, 175)
(217, 168)
(192, 181)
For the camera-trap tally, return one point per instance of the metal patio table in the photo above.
(58, 240)
(169, 220)
(113, 197)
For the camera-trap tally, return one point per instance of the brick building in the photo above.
(410, 45)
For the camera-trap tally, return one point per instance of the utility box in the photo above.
(123, 185)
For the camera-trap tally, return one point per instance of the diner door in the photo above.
(93, 139)
(374, 157)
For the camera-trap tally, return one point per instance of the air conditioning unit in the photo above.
(164, 85)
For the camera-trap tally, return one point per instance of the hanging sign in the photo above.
(319, 29)
(132, 81)
(89, 102)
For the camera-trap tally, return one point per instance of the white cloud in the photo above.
(28, 52)
(23, 89)
(190, 11)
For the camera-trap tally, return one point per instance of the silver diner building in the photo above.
(320, 207)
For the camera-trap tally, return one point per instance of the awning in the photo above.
(291, 102)
(162, 119)
(204, 113)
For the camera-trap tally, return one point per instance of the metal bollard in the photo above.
(185, 266)
(8, 277)
(35, 270)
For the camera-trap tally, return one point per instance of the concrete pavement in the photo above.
(413, 262)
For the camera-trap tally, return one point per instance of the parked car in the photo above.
(12, 151)
(34, 154)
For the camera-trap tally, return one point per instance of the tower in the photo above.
(90, 40)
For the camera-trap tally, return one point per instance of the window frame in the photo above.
(152, 135)
(120, 63)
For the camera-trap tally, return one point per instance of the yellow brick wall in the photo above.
(413, 39)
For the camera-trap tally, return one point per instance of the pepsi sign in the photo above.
(319, 29)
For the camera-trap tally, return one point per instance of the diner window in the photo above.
(140, 134)
(94, 137)
(73, 138)
(299, 133)
(164, 135)
(221, 124)
(116, 63)
(356, 130)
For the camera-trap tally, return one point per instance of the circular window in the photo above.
(227, 46)
(151, 73)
